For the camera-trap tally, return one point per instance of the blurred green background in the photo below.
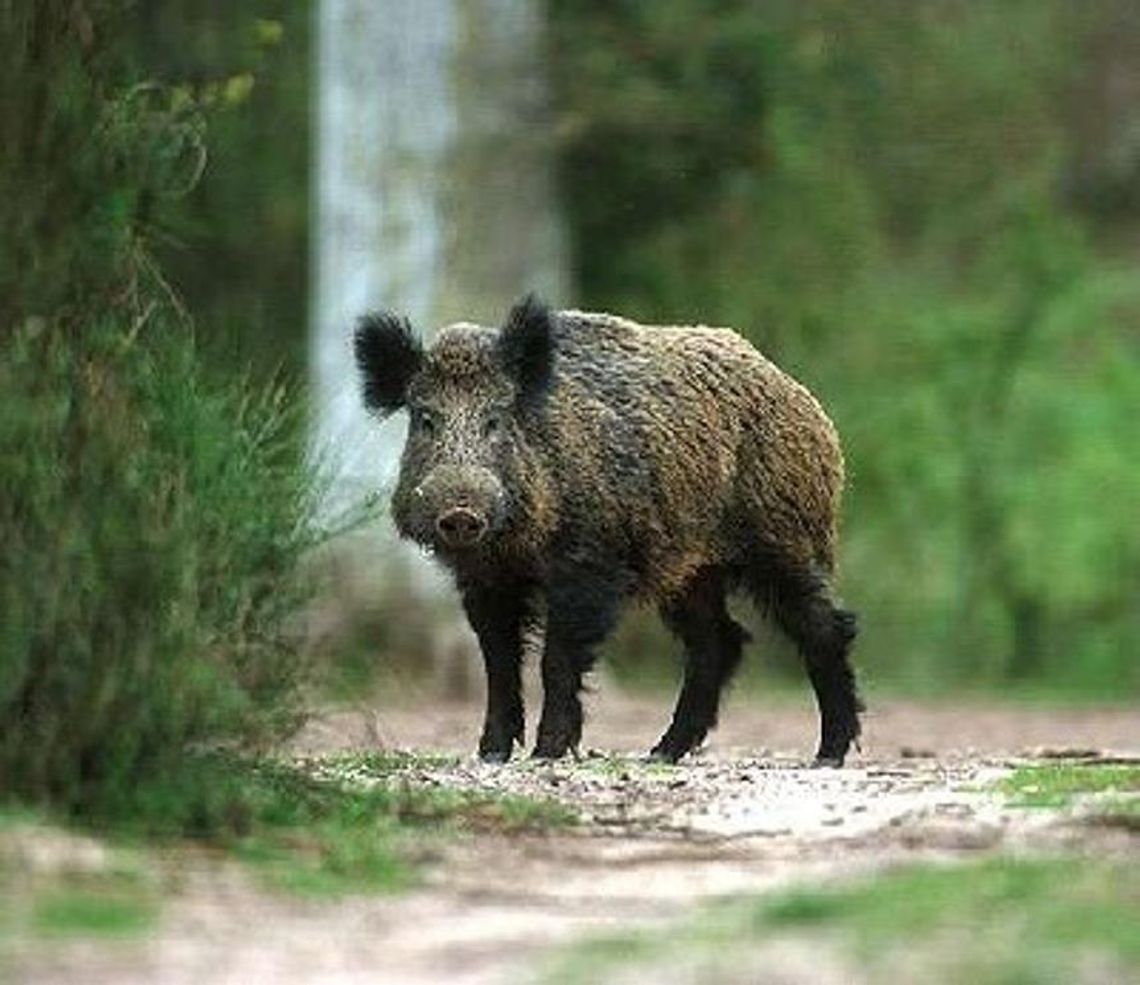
(928, 212)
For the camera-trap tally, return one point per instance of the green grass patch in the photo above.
(1055, 786)
(329, 859)
(52, 889)
(110, 910)
(996, 921)
(919, 899)
(320, 835)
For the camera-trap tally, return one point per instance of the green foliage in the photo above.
(86, 158)
(872, 192)
(236, 244)
(153, 519)
(180, 126)
(977, 470)
(154, 534)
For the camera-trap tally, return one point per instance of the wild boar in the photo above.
(569, 463)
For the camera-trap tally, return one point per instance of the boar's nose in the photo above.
(460, 527)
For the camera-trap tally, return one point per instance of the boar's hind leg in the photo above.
(496, 615)
(802, 605)
(582, 608)
(713, 646)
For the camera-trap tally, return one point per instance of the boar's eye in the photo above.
(425, 421)
(492, 425)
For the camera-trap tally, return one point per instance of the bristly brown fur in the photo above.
(614, 460)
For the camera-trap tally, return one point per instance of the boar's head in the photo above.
(469, 398)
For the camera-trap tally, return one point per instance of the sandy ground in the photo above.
(745, 815)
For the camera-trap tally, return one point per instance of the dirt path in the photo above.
(745, 815)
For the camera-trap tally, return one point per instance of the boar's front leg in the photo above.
(497, 614)
(582, 608)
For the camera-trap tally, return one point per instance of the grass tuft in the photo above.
(1055, 786)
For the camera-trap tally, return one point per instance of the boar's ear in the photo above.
(526, 347)
(388, 356)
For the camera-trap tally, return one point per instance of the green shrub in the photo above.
(152, 517)
(153, 526)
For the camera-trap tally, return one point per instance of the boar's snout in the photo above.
(460, 527)
(454, 507)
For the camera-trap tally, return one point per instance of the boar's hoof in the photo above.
(495, 746)
(558, 735)
(659, 755)
(821, 761)
(550, 748)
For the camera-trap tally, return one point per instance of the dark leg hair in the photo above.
(802, 605)
(713, 644)
(583, 604)
(497, 614)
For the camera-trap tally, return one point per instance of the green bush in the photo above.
(152, 517)
(153, 526)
